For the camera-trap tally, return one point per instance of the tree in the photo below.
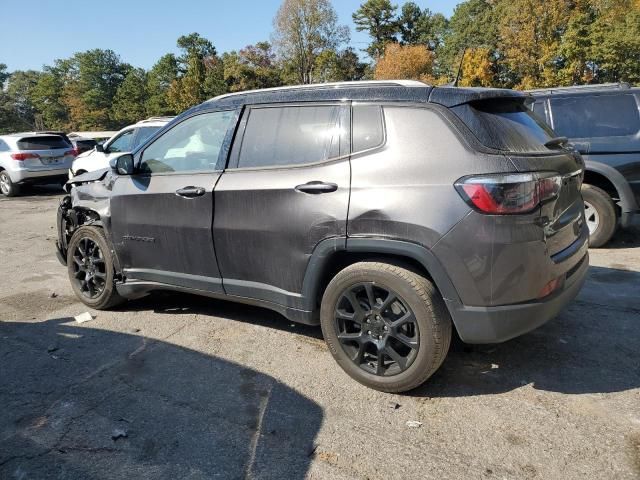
(477, 68)
(413, 62)
(19, 90)
(48, 99)
(159, 79)
(303, 30)
(252, 67)
(332, 66)
(129, 103)
(410, 23)
(473, 25)
(377, 17)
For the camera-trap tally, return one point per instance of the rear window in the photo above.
(368, 130)
(51, 142)
(589, 116)
(144, 133)
(505, 124)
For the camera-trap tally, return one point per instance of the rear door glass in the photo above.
(589, 116)
(368, 129)
(122, 143)
(52, 142)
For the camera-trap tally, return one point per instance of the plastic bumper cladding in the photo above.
(502, 323)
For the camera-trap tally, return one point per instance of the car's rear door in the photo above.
(162, 214)
(286, 189)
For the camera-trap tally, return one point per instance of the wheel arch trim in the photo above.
(627, 199)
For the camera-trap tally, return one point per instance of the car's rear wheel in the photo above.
(90, 268)
(385, 325)
(7, 187)
(600, 214)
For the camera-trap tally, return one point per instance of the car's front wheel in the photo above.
(385, 325)
(90, 268)
(7, 187)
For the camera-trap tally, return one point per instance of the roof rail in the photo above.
(312, 86)
(601, 86)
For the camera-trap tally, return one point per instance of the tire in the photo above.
(600, 214)
(415, 294)
(103, 295)
(7, 187)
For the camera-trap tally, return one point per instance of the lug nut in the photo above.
(386, 328)
(379, 337)
(368, 332)
(377, 317)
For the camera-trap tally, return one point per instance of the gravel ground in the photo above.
(175, 386)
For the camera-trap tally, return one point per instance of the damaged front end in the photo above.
(88, 203)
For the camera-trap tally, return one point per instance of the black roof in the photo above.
(392, 90)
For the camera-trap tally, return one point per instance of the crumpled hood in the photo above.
(93, 176)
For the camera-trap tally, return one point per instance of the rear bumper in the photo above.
(24, 176)
(501, 323)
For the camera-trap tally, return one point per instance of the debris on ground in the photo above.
(53, 295)
(52, 348)
(84, 317)
(119, 433)
(393, 405)
(414, 424)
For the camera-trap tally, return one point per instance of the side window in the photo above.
(368, 129)
(588, 116)
(3, 146)
(192, 145)
(276, 136)
(143, 134)
(122, 143)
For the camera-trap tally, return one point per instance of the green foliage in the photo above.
(131, 97)
(159, 80)
(377, 17)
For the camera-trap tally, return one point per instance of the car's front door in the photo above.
(162, 214)
(286, 189)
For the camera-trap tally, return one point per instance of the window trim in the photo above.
(234, 156)
(223, 155)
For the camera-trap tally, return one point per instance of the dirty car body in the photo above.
(404, 173)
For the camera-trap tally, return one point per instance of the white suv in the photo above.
(125, 140)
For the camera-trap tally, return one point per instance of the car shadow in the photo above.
(591, 347)
(625, 238)
(80, 402)
(35, 192)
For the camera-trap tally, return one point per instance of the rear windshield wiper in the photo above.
(557, 142)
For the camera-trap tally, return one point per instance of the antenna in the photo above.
(455, 82)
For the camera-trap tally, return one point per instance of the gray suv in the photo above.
(387, 212)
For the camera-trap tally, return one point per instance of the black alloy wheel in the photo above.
(376, 329)
(89, 268)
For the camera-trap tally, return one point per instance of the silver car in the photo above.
(30, 158)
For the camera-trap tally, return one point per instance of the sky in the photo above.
(36, 32)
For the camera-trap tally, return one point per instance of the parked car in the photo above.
(127, 139)
(32, 158)
(81, 145)
(381, 210)
(603, 122)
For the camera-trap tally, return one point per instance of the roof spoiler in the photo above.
(454, 96)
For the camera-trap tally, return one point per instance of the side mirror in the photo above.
(123, 164)
(99, 148)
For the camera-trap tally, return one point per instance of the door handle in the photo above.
(190, 192)
(316, 187)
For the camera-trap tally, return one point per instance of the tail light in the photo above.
(509, 193)
(73, 151)
(24, 156)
